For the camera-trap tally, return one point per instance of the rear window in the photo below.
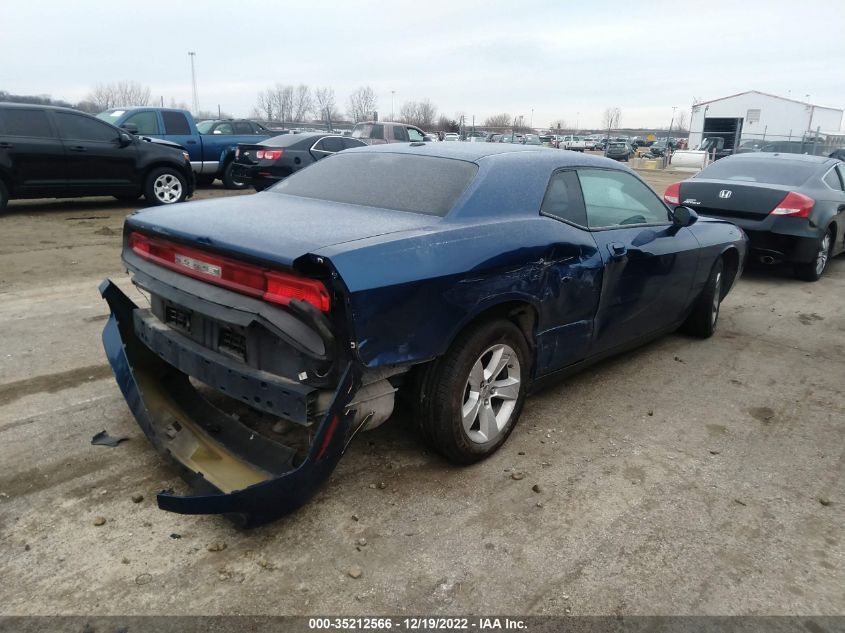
(402, 182)
(791, 173)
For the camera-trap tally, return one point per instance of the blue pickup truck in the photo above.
(211, 149)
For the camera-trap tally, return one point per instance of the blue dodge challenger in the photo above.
(458, 276)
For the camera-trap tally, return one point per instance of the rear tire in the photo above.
(702, 321)
(165, 185)
(812, 271)
(228, 179)
(468, 402)
(4, 196)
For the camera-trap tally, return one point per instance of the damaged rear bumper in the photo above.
(232, 469)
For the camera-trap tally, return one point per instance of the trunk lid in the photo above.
(272, 227)
(732, 199)
(245, 154)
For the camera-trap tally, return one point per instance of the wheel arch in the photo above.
(522, 311)
(730, 258)
(156, 165)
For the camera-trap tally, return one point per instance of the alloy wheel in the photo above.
(167, 188)
(491, 394)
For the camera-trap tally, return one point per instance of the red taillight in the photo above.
(795, 205)
(673, 194)
(269, 154)
(248, 279)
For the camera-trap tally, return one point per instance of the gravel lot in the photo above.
(687, 477)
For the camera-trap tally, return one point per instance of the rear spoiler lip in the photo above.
(257, 503)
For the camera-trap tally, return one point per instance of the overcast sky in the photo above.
(563, 59)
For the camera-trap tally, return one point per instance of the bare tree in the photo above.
(361, 104)
(559, 125)
(325, 103)
(502, 120)
(121, 93)
(283, 102)
(420, 113)
(265, 105)
(302, 102)
(181, 105)
(611, 117)
(682, 123)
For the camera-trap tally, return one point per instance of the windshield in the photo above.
(204, 127)
(791, 173)
(111, 116)
(401, 182)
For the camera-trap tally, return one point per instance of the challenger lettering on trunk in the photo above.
(198, 265)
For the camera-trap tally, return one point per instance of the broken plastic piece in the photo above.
(104, 439)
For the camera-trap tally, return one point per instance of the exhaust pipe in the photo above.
(767, 259)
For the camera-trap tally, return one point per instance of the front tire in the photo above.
(702, 321)
(229, 181)
(468, 401)
(812, 271)
(165, 185)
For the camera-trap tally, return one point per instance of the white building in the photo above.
(761, 116)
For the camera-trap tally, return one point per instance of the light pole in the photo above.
(668, 154)
(577, 122)
(392, 105)
(196, 99)
(532, 118)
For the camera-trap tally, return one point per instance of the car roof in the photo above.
(287, 140)
(499, 152)
(782, 156)
(10, 104)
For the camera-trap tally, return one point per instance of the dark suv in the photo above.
(49, 152)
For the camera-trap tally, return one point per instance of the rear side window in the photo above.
(774, 171)
(352, 142)
(831, 179)
(332, 144)
(175, 123)
(81, 128)
(399, 133)
(24, 122)
(242, 127)
(563, 199)
(401, 182)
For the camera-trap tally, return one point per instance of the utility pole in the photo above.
(392, 105)
(532, 118)
(668, 154)
(196, 104)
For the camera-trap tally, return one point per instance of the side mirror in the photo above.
(683, 216)
(130, 127)
(124, 139)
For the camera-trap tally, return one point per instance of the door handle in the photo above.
(617, 250)
(6, 146)
(78, 148)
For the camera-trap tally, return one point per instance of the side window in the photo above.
(377, 131)
(223, 128)
(563, 200)
(840, 168)
(175, 123)
(399, 133)
(614, 198)
(351, 142)
(415, 135)
(333, 144)
(147, 122)
(318, 146)
(831, 179)
(244, 127)
(81, 128)
(23, 122)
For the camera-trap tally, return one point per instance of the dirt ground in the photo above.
(687, 477)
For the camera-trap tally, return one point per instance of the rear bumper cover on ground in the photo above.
(233, 470)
